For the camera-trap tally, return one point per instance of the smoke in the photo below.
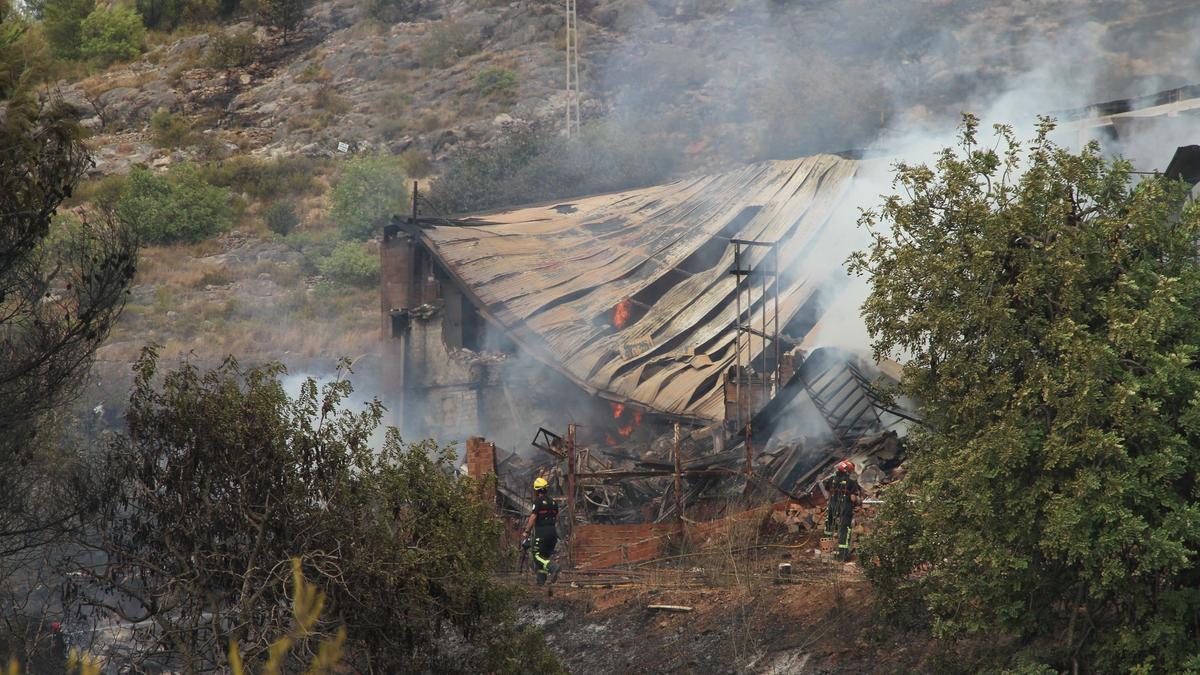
(742, 80)
(1081, 57)
(367, 387)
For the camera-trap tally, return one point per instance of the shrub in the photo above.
(61, 25)
(282, 15)
(404, 551)
(265, 179)
(394, 11)
(178, 207)
(495, 81)
(231, 50)
(169, 130)
(1045, 303)
(530, 167)
(161, 14)
(111, 35)
(415, 163)
(24, 54)
(328, 100)
(448, 42)
(313, 72)
(370, 191)
(104, 193)
(281, 218)
(350, 264)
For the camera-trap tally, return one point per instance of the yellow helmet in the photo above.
(540, 483)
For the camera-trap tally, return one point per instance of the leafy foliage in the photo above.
(63, 280)
(62, 283)
(370, 191)
(170, 130)
(264, 179)
(61, 24)
(281, 218)
(178, 207)
(350, 264)
(307, 604)
(160, 14)
(282, 15)
(1048, 307)
(23, 52)
(530, 167)
(396, 11)
(495, 81)
(231, 50)
(225, 478)
(111, 35)
(448, 42)
(167, 15)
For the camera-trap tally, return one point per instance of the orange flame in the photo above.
(618, 410)
(622, 313)
(626, 430)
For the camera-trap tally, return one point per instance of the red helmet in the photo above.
(845, 466)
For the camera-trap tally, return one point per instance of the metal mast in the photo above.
(572, 107)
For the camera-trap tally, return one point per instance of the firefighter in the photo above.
(542, 524)
(844, 495)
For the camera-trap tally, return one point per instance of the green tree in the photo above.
(281, 218)
(62, 25)
(225, 478)
(350, 264)
(160, 14)
(370, 191)
(63, 280)
(24, 53)
(1047, 307)
(282, 15)
(170, 130)
(111, 35)
(495, 80)
(177, 207)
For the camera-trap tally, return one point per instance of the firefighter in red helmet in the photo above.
(844, 495)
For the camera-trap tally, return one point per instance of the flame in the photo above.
(622, 313)
(627, 430)
(618, 410)
(608, 438)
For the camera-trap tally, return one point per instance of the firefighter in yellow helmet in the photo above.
(844, 495)
(543, 524)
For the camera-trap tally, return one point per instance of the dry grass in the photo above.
(198, 309)
(99, 84)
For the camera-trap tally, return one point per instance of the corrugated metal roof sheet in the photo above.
(551, 276)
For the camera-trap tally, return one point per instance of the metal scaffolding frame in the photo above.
(768, 330)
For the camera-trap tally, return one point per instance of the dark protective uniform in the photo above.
(545, 533)
(839, 514)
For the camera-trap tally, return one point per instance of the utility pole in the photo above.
(572, 107)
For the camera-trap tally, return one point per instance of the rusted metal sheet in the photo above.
(551, 276)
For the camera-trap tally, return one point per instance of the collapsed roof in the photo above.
(550, 276)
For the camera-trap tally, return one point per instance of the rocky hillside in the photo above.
(728, 80)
